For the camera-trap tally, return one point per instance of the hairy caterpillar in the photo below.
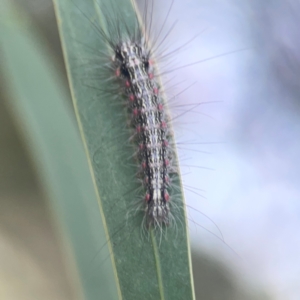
(116, 79)
(131, 67)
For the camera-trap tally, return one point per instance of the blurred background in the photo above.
(252, 191)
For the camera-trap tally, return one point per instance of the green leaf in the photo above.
(39, 106)
(148, 264)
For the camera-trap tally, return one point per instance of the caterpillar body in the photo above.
(134, 66)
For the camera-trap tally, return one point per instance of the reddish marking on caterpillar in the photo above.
(138, 129)
(131, 97)
(167, 196)
(163, 125)
(147, 197)
(135, 112)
